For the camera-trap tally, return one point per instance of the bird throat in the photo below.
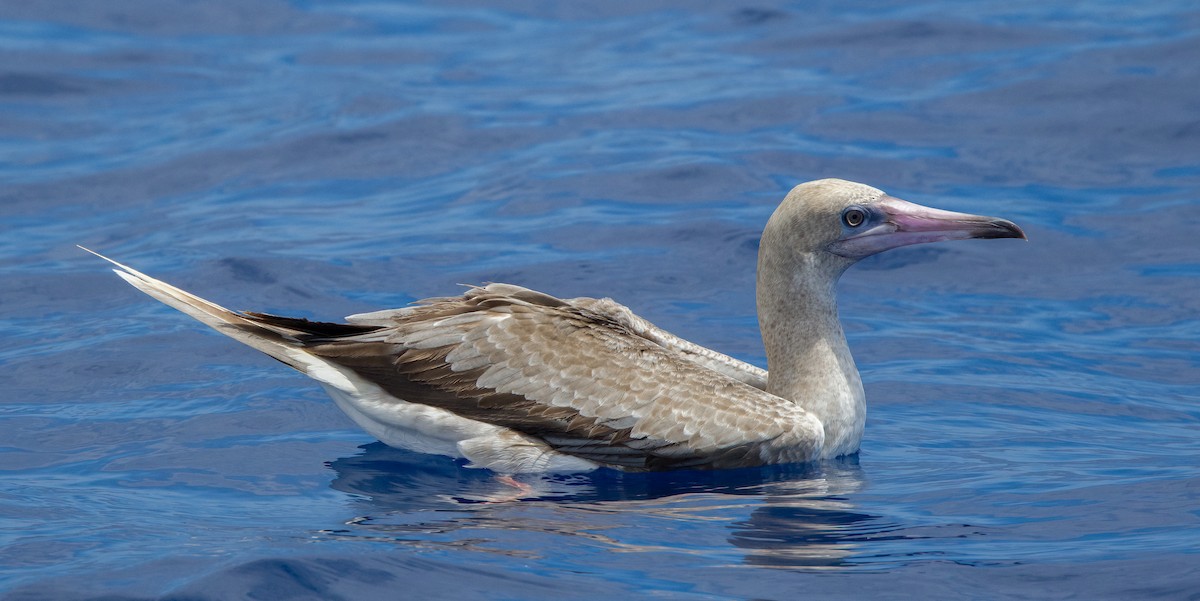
(808, 359)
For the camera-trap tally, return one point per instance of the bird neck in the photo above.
(808, 360)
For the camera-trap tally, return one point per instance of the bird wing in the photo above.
(585, 383)
(610, 310)
(703, 356)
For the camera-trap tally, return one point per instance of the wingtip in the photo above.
(88, 250)
(125, 268)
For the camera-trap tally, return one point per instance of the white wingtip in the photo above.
(257, 335)
(84, 248)
(204, 310)
(124, 267)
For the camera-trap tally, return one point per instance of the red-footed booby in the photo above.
(518, 381)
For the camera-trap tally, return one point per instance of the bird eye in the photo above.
(854, 216)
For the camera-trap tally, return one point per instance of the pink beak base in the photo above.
(909, 223)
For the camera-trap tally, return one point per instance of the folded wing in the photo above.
(582, 380)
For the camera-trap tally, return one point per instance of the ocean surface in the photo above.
(1034, 407)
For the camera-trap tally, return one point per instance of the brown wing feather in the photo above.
(579, 380)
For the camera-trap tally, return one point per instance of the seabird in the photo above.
(518, 381)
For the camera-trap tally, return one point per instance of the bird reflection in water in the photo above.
(780, 516)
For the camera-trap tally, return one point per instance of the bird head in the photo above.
(842, 222)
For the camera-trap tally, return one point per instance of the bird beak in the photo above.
(905, 223)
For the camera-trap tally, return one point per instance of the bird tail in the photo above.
(280, 342)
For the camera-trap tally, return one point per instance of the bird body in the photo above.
(519, 381)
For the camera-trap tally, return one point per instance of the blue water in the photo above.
(1034, 427)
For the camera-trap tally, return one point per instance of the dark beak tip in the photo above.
(1003, 228)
